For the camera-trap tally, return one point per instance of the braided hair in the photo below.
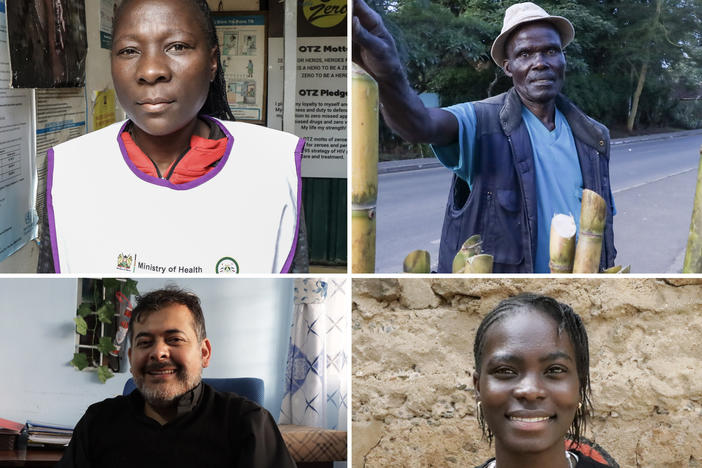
(216, 104)
(567, 320)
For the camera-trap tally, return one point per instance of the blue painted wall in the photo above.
(248, 322)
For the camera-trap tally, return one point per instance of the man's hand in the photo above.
(374, 50)
(373, 46)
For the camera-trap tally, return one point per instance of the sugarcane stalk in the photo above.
(363, 241)
(481, 263)
(626, 269)
(472, 246)
(693, 254)
(593, 215)
(364, 164)
(417, 261)
(562, 243)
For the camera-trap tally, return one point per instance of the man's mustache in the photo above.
(160, 366)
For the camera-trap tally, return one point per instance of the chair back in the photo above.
(247, 387)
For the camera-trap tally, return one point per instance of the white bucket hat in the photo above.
(527, 12)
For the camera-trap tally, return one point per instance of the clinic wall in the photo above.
(248, 322)
(413, 401)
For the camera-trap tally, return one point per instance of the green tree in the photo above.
(653, 37)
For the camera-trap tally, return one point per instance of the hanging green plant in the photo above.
(97, 321)
(106, 312)
(104, 373)
(80, 361)
(106, 346)
(81, 325)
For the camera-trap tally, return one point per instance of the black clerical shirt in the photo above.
(211, 429)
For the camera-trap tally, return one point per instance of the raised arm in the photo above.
(374, 50)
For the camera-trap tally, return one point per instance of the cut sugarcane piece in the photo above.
(417, 261)
(562, 243)
(481, 263)
(614, 269)
(364, 164)
(626, 269)
(693, 253)
(593, 215)
(472, 246)
(363, 241)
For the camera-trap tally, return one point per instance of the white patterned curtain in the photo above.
(315, 378)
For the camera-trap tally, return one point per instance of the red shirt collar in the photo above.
(200, 159)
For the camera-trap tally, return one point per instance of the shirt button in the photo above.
(601, 142)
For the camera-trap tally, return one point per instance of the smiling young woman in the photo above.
(174, 189)
(532, 383)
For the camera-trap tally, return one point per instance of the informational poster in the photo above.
(107, 13)
(321, 101)
(4, 49)
(242, 41)
(47, 42)
(321, 106)
(18, 217)
(60, 117)
(103, 108)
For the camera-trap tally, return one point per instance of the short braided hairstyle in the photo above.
(567, 320)
(216, 104)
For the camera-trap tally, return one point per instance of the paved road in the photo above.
(653, 183)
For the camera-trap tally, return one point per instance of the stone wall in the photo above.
(413, 401)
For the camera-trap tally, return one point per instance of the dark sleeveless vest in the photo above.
(502, 205)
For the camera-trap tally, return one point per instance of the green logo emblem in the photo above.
(227, 265)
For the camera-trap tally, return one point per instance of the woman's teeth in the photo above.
(543, 418)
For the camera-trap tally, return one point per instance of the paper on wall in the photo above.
(320, 103)
(103, 108)
(18, 182)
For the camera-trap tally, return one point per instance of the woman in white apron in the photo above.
(179, 188)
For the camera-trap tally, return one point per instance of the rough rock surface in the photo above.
(413, 401)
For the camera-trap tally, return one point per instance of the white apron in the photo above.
(107, 217)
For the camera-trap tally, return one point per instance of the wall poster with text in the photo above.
(242, 42)
(321, 104)
(18, 175)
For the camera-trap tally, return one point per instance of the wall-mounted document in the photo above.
(18, 181)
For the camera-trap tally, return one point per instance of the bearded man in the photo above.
(173, 418)
(518, 158)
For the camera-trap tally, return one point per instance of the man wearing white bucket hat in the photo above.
(518, 158)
